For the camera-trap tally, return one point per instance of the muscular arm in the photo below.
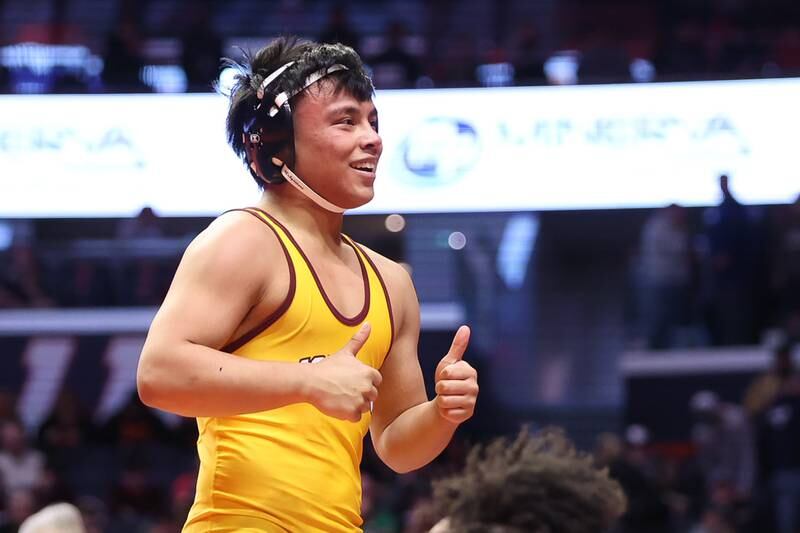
(408, 431)
(219, 280)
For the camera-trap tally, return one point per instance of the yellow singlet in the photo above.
(292, 469)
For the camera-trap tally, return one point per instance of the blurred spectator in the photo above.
(95, 514)
(56, 518)
(136, 501)
(683, 50)
(5, 85)
(732, 309)
(725, 447)
(134, 429)
(182, 497)
(763, 391)
(338, 29)
(20, 280)
(145, 225)
(455, 60)
(66, 434)
(786, 50)
(123, 59)
(20, 504)
(21, 467)
(374, 512)
(146, 278)
(8, 405)
(786, 262)
(666, 275)
(715, 520)
(421, 518)
(533, 483)
(632, 467)
(603, 58)
(779, 454)
(528, 58)
(395, 67)
(201, 47)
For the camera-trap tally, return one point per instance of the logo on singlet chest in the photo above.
(312, 359)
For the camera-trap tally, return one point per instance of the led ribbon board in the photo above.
(494, 149)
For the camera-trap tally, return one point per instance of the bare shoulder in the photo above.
(233, 235)
(236, 245)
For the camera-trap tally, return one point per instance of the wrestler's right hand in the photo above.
(341, 386)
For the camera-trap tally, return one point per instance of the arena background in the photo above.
(532, 149)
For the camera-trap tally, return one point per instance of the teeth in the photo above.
(366, 167)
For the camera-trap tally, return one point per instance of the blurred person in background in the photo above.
(338, 29)
(201, 47)
(630, 464)
(284, 384)
(21, 282)
(528, 57)
(395, 67)
(145, 225)
(761, 393)
(778, 437)
(8, 405)
(20, 504)
(536, 482)
(124, 57)
(725, 449)
(733, 267)
(786, 262)
(145, 278)
(666, 270)
(21, 467)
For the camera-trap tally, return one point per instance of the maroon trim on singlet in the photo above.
(354, 321)
(275, 315)
(385, 293)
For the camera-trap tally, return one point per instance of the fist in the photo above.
(456, 382)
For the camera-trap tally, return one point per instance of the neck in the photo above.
(301, 215)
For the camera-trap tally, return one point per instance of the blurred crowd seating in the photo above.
(78, 46)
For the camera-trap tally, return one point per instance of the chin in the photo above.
(358, 198)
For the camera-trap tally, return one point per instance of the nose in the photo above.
(371, 141)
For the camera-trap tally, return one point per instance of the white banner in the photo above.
(580, 147)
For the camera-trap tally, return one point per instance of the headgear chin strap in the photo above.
(301, 186)
(281, 102)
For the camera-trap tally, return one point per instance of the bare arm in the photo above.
(409, 431)
(220, 279)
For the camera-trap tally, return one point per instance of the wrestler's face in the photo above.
(337, 146)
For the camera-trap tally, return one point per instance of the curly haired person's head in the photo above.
(537, 483)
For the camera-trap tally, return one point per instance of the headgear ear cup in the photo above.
(269, 135)
(266, 136)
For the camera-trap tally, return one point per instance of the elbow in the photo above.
(402, 469)
(397, 464)
(146, 387)
(150, 383)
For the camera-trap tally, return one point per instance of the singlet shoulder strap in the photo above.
(283, 307)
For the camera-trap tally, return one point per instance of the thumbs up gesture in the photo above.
(456, 381)
(341, 386)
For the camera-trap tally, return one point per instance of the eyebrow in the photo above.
(351, 109)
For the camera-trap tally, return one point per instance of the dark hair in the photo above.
(533, 484)
(308, 57)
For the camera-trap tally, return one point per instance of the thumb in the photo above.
(459, 346)
(358, 340)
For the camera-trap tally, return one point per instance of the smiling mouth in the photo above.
(364, 167)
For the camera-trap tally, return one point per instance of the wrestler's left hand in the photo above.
(456, 381)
